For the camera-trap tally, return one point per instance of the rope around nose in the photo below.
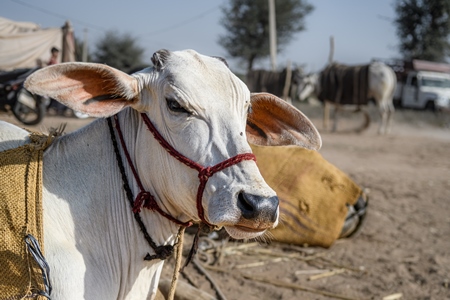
(204, 173)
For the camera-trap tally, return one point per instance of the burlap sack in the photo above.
(313, 194)
(21, 214)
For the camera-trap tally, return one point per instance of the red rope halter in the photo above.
(204, 173)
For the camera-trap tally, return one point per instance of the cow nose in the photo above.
(258, 207)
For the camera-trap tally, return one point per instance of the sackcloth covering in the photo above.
(20, 215)
(342, 84)
(314, 194)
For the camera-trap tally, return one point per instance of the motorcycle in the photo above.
(56, 108)
(28, 108)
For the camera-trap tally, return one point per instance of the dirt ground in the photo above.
(403, 250)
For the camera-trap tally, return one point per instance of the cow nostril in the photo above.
(257, 207)
(246, 205)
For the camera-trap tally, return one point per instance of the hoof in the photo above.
(355, 217)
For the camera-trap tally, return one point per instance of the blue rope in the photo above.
(35, 250)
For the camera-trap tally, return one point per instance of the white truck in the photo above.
(424, 90)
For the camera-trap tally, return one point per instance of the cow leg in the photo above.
(326, 115)
(385, 112)
(335, 116)
(391, 110)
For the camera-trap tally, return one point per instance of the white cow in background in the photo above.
(381, 87)
(93, 244)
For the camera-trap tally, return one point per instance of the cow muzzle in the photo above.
(258, 209)
(258, 214)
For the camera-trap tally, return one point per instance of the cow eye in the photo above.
(174, 106)
(249, 110)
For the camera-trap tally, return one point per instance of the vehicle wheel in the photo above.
(430, 106)
(28, 108)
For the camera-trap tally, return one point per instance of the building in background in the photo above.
(26, 45)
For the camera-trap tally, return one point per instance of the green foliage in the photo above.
(423, 27)
(247, 25)
(118, 51)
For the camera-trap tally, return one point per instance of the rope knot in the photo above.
(150, 203)
(141, 198)
(205, 173)
(161, 252)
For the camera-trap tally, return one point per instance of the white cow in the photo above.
(381, 87)
(93, 244)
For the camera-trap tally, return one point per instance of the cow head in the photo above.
(308, 84)
(203, 111)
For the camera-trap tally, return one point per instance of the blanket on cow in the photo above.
(314, 195)
(345, 84)
(20, 217)
(267, 81)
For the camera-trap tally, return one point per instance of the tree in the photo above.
(247, 24)
(118, 51)
(423, 27)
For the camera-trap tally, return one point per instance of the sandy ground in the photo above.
(403, 250)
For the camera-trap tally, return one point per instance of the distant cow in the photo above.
(353, 85)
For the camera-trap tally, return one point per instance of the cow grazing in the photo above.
(352, 85)
(183, 123)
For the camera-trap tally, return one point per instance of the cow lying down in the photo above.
(318, 202)
(173, 139)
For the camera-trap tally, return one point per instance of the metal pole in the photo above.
(272, 35)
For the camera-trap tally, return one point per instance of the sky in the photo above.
(362, 29)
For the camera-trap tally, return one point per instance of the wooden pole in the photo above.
(85, 46)
(287, 82)
(272, 34)
(330, 57)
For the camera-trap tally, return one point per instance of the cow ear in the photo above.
(94, 89)
(274, 122)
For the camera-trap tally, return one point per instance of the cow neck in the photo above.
(161, 252)
(144, 198)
